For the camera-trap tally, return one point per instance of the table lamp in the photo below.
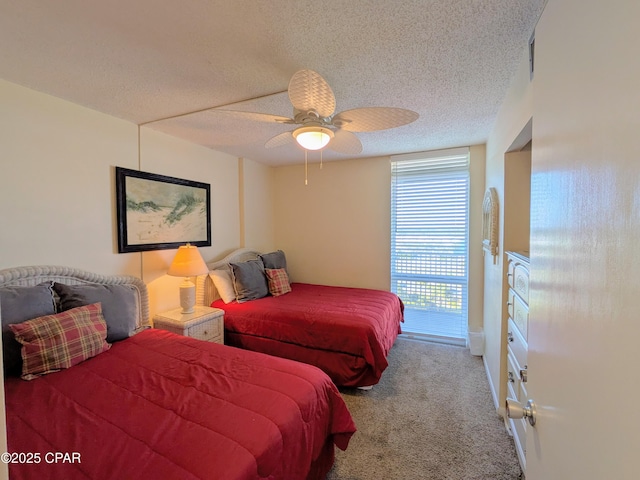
(187, 263)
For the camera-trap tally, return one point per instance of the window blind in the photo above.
(429, 241)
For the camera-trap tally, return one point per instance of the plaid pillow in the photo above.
(278, 281)
(53, 342)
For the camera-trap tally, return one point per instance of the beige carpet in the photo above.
(430, 417)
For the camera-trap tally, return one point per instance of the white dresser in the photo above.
(517, 333)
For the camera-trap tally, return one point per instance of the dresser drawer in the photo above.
(517, 386)
(207, 330)
(519, 431)
(516, 344)
(519, 312)
(518, 274)
(513, 378)
(521, 282)
(516, 391)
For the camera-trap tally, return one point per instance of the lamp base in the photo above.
(187, 296)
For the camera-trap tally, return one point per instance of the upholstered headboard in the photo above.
(205, 289)
(34, 275)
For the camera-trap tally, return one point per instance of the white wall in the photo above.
(335, 230)
(477, 154)
(56, 182)
(57, 201)
(257, 200)
(515, 113)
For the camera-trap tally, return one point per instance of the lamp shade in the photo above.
(188, 263)
(313, 138)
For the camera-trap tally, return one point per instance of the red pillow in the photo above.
(278, 281)
(54, 342)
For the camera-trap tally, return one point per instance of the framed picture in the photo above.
(157, 212)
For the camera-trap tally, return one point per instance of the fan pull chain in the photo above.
(305, 167)
(320, 159)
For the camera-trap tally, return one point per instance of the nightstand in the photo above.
(205, 323)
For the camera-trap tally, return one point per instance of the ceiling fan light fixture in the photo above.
(313, 138)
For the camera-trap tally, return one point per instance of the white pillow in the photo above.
(222, 280)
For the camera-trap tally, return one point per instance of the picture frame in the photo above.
(158, 212)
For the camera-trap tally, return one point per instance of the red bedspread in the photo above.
(162, 406)
(347, 332)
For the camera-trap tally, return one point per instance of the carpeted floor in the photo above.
(431, 417)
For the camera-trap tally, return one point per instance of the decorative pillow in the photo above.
(54, 342)
(274, 259)
(119, 305)
(224, 284)
(18, 305)
(278, 281)
(249, 280)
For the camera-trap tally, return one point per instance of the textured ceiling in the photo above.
(451, 61)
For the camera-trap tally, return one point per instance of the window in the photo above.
(429, 241)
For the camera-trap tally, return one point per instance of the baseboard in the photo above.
(494, 394)
(423, 337)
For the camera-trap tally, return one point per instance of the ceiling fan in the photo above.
(319, 126)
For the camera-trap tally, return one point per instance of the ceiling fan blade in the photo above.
(370, 119)
(258, 117)
(309, 91)
(345, 142)
(279, 140)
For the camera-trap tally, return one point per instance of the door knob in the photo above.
(515, 410)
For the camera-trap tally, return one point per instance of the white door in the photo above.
(584, 338)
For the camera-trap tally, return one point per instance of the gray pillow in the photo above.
(274, 259)
(249, 280)
(119, 305)
(17, 305)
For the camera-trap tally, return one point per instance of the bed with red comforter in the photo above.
(162, 406)
(347, 332)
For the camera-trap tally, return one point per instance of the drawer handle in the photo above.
(510, 336)
(511, 379)
(523, 374)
